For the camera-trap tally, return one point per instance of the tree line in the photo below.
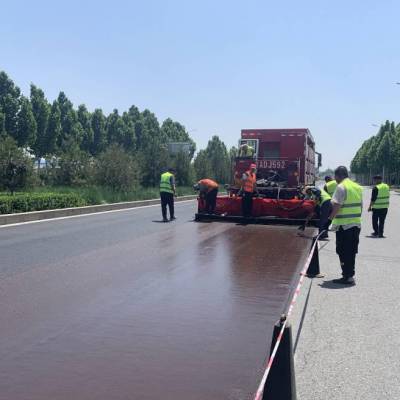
(75, 141)
(380, 154)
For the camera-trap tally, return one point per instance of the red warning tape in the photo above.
(303, 273)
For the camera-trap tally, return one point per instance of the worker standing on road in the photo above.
(379, 205)
(208, 191)
(246, 150)
(346, 221)
(167, 193)
(249, 183)
(330, 185)
(323, 208)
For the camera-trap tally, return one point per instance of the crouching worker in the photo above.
(323, 207)
(208, 190)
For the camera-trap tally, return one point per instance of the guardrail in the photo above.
(7, 219)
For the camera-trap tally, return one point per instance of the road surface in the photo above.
(120, 306)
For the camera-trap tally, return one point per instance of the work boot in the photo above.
(374, 234)
(381, 236)
(172, 218)
(344, 281)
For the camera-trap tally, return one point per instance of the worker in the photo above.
(379, 205)
(323, 208)
(167, 193)
(330, 185)
(208, 190)
(246, 150)
(346, 221)
(248, 188)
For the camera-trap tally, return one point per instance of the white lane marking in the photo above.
(87, 215)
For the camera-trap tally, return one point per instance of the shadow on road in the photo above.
(331, 285)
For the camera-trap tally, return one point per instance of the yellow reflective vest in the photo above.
(351, 209)
(165, 183)
(382, 201)
(331, 187)
(324, 197)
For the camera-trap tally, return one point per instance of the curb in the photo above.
(7, 219)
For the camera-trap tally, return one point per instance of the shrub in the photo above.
(24, 202)
(72, 168)
(116, 169)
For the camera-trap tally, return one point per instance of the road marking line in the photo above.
(87, 214)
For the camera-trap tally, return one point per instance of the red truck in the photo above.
(284, 156)
(285, 160)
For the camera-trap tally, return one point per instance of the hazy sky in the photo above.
(217, 66)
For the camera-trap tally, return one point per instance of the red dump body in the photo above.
(288, 152)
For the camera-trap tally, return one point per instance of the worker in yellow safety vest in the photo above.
(323, 208)
(246, 150)
(379, 205)
(330, 185)
(346, 221)
(167, 193)
(249, 186)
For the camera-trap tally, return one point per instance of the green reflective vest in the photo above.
(165, 183)
(382, 201)
(331, 187)
(350, 211)
(324, 197)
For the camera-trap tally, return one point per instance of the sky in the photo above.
(217, 66)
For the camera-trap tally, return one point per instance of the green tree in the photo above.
(71, 129)
(53, 132)
(84, 118)
(202, 165)
(99, 131)
(175, 132)
(184, 169)
(16, 167)
(2, 123)
(129, 135)
(218, 159)
(233, 153)
(41, 112)
(151, 124)
(154, 159)
(26, 134)
(115, 128)
(9, 103)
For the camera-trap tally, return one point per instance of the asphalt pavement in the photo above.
(349, 347)
(123, 306)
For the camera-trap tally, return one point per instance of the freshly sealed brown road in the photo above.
(116, 306)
